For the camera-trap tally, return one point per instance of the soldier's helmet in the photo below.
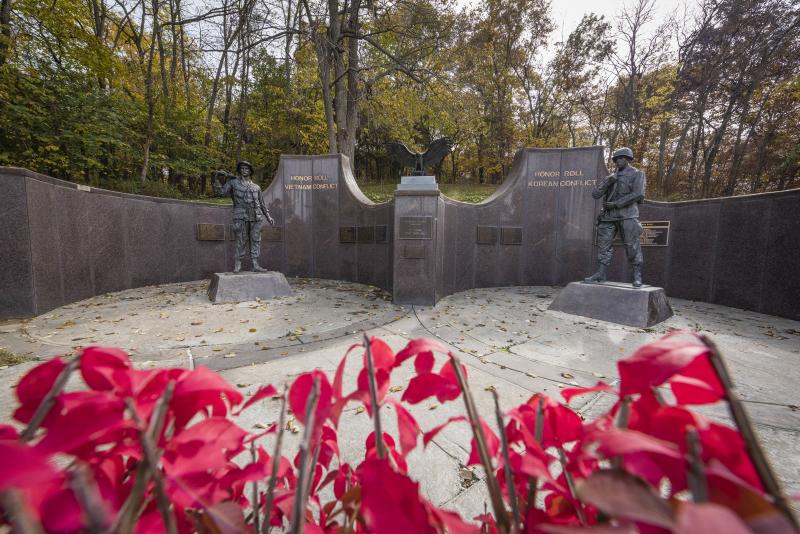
(242, 164)
(620, 152)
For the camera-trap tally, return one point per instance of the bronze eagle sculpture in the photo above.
(400, 154)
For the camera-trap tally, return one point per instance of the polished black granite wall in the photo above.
(313, 198)
(60, 244)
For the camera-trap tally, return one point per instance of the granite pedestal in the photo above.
(238, 287)
(614, 302)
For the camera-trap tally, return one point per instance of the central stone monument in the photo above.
(249, 213)
(634, 305)
(418, 229)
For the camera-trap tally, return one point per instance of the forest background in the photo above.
(152, 95)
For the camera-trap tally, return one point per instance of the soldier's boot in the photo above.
(237, 265)
(600, 276)
(258, 268)
(637, 276)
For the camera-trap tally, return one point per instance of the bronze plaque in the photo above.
(365, 234)
(486, 235)
(381, 233)
(416, 228)
(210, 232)
(272, 233)
(347, 234)
(511, 235)
(413, 252)
(655, 234)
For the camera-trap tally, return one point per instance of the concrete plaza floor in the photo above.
(506, 336)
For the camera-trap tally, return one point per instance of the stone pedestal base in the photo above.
(237, 287)
(614, 302)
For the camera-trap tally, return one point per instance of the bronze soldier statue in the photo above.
(249, 212)
(622, 192)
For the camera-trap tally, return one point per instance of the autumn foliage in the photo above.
(160, 450)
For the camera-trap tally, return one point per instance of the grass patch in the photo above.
(7, 358)
(463, 192)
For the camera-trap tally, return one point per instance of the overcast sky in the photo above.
(567, 13)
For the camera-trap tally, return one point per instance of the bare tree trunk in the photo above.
(323, 48)
(149, 96)
(243, 95)
(173, 65)
(348, 146)
(339, 75)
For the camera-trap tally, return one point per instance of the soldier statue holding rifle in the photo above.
(622, 192)
(249, 212)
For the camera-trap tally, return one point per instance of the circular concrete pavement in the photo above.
(506, 336)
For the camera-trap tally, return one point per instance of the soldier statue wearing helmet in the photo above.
(621, 192)
(249, 212)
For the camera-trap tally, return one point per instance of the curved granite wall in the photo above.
(60, 242)
(737, 251)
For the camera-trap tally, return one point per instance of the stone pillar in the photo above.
(418, 208)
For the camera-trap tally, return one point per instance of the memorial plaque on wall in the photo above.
(347, 234)
(511, 235)
(413, 252)
(272, 233)
(416, 228)
(210, 232)
(486, 235)
(381, 233)
(654, 234)
(365, 234)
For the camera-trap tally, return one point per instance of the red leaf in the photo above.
(339, 376)
(424, 386)
(382, 355)
(430, 434)
(263, 392)
(443, 385)
(624, 496)
(203, 446)
(33, 387)
(61, 512)
(561, 425)
(390, 502)
(23, 467)
(452, 522)
(105, 369)
(613, 442)
(492, 444)
(530, 465)
(407, 426)
(199, 389)
(424, 361)
(90, 418)
(655, 363)
(569, 393)
(8, 432)
(416, 346)
(300, 391)
(697, 383)
(704, 518)
(381, 384)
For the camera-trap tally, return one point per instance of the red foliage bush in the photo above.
(159, 450)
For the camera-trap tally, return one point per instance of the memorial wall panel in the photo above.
(16, 282)
(537, 229)
(780, 283)
(740, 252)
